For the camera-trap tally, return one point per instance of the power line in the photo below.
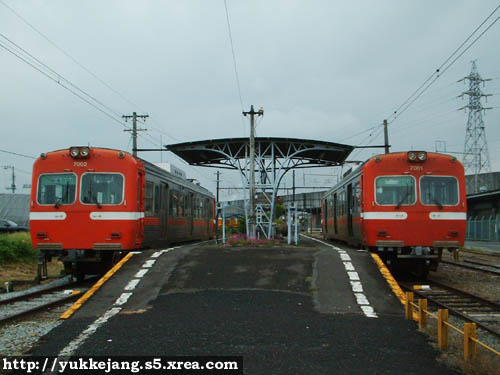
(67, 54)
(438, 73)
(61, 84)
(15, 153)
(59, 76)
(81, 66)
(234, 65)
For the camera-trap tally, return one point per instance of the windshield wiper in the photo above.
(438, 203)
(433, 199)
(58, 203)
(404, 198)
(97, 203)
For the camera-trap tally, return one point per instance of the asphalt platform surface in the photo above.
(286, 310)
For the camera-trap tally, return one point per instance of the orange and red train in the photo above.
(406, 206)
(89, 204)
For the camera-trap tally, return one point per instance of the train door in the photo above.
(164, 209)
(325, 214)
(349, 209)
(356, 210)
(335, 210)
(189, 213)
(206, 215)
(140, 206)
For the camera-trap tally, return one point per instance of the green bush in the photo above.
(16, 247)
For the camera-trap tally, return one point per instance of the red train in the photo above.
(406, 206)
(90, 204)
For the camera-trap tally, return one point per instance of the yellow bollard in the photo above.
(469, 345)
(409, 306)
(422, 315)
(442, 329)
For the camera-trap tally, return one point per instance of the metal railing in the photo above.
(419, 312)
(482, 228)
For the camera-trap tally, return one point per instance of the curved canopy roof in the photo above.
(222, 153)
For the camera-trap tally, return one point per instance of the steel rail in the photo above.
(453, 310)
(32, 310)
(69, 284)
(36, 293)
(470, 266)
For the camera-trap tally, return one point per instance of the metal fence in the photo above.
(482, 228)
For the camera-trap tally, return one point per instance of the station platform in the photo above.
(316, 308)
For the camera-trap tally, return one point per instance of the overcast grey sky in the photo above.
(322, 70)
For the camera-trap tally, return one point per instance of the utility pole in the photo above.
(251, 216)
(293, 186)
(134, 129)
(13, 185)
(386, 137)
(476, 156)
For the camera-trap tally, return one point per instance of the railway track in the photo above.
(472, 308)
(475, 265)
(30, 303)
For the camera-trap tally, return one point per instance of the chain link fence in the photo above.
(482, 228)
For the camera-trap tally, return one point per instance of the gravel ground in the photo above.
(19, 337)
(483, 284)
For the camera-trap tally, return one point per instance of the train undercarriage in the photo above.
(79, 263)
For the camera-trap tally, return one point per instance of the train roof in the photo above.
(151, 168)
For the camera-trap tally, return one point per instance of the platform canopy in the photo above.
(274, 157)
(224, 153)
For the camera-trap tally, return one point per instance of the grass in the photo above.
(18, 261)
(16, 247)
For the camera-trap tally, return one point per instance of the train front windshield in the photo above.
(395, 190)
(439, 190)
(102, 188)
(56, 188)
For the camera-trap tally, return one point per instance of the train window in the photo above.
(173, 203)
(356, 199)
(56, 188)
(148, 201)
(101, 188)
(395, 190)
(439, 190)
(180, 204)
(157, 199)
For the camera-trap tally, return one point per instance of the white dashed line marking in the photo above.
(142, 272)
(353, 276)
(345, 257)
(348, 266)
(132, 284)
(356, 285)
(149, 263)
(123, 299)
(73, 345)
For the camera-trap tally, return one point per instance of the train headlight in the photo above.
(412, 156)
(74, 152)
(84, 152)
(422, 156)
